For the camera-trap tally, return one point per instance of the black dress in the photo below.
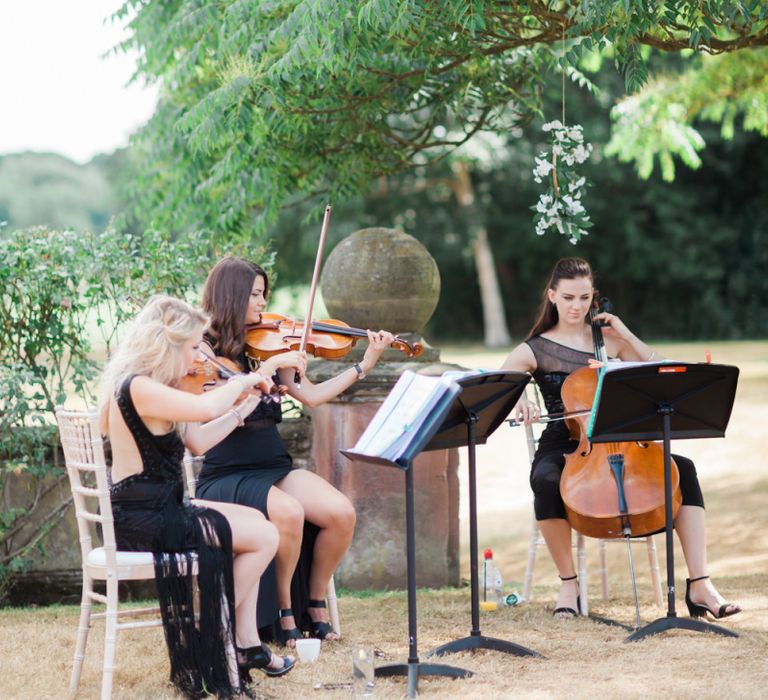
(242, 469)
(554, 362)
(150, 515)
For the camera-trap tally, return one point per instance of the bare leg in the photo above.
(557, 535)
(287, 514)
(690, 525)
(254, 543)
(334, 514)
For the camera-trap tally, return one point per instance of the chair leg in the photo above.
(333, 608)
(110, 639)
(581, 558)
(231, 652)
(82, 634)
(532, 546)
(603, 568)
(653, 562)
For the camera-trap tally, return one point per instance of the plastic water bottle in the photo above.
(491, 585)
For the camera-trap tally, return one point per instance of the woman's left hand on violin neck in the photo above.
(378, 342)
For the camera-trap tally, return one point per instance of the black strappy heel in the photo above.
(284, 635)
(701, 610)
(571, 612)
(320, 629)
(260, 657)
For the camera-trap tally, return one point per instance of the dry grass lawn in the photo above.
(584, 659)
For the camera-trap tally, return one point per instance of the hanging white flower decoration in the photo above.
(560, 207)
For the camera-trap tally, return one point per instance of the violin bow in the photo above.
(313, 289)
(273, 396)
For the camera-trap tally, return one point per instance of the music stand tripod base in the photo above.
(414, 669)
(479, 641)
(475, 413)
(662, 401)
(684, 623)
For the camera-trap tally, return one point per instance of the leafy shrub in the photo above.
(63, 298)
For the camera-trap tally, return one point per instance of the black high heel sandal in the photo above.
(260, 657)
(701, 610)
(571, 612)
(320, 629)
(283, 635)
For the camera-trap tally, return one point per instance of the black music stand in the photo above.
(414, 668)
(661, 401)
(481, 407)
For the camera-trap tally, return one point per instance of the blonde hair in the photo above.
(151, 347)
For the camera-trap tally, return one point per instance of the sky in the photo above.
(57, 91)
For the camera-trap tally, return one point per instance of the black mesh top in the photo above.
(554, 362)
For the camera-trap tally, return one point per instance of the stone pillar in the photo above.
(383, 278)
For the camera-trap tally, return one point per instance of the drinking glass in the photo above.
(362, 671)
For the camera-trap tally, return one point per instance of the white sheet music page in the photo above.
(401, 413)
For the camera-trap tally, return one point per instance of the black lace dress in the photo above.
(150, 515)
(554, 362)
(242, 469)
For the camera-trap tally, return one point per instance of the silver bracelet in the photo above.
(236, 414)
(651, 356)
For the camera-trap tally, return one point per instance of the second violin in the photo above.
(210, 372)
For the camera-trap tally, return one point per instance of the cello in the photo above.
(610, 490)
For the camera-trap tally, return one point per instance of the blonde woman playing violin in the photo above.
(148, 422)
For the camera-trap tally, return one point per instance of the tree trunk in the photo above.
(496, 333)
(495, 324)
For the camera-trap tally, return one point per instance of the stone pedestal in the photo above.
(383, 278)
(377, 557)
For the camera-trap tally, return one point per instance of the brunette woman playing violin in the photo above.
(559, 343)
(252, 466)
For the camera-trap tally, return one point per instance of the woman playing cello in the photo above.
(252, 467)
(559, 343)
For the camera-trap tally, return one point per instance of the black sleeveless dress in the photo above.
(242, 469)
(554, 362)
(150, 515)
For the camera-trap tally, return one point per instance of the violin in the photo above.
(610, 490)
(329, 339)
(208, 373)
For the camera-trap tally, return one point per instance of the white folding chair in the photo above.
(581, 557)
(191, 470)
(87, 471)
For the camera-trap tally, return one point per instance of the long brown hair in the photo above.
(225, 299)
(564, 269)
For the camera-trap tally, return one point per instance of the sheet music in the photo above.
(613, 365)
(401, 414)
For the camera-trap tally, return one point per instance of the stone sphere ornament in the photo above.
(381, 278)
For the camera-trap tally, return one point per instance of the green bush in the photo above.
(63, 298)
